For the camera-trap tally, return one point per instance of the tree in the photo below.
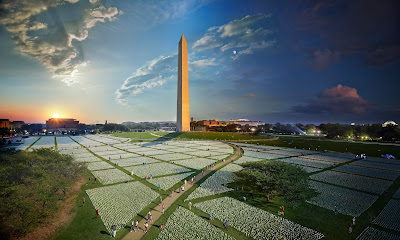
(32, 184)
(273, 178)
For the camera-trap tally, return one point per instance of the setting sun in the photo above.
(56, 115)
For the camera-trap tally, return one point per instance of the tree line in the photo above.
(33, 186)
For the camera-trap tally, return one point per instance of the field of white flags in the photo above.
(168, 181)
(173, 156)
(26, 142)
(347, 201)
(378, 165)
(390, 216)
(371, 233)
(111, 176)
(156, 169)
(195, 163)
(216, 182)
(44, 142)
(369, 172)
(119, 203)
(134, 161)
(263, 155)
(183, 224)
(328, 158)
(255, 222)
(372, 185)
(219, 157)
(98, 166)
(307, 162)
(86, 142)
(151, 152)
(66, 143)
(87, 159)
(245, 159)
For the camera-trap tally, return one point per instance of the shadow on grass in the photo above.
(163, 139)
(104, 232)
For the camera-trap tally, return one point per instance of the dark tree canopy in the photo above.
(274, 178)
(32, 184)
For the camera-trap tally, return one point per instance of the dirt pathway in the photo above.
(157, 211)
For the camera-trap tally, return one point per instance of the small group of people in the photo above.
(134, 225)
(147, 176)
(95, 179)
(363, 156)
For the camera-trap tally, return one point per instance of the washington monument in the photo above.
(183, 115)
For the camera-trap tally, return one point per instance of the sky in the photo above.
(271, 61)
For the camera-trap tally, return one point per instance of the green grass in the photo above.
(322, 144)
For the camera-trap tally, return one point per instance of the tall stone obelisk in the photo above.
(183, 115)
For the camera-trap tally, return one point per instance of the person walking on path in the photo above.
(283, 210)
(97, 212)
(190, 205)
(159, 186)
(132, 225)
(336, 210)
(163, 208)
(226, 225)
(151, 176)
(136, 226)
(218, 191)
(83, 201)
(95, 180)
(185, 182)
(350, 228)
(146, 225)
(172, 193)
(160, 199)
(114, 230)
(149, 217)
(354, 222)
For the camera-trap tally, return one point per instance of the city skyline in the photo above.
(273, 62)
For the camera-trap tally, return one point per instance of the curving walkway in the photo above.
(157, 211)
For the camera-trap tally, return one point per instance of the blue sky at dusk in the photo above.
(274, 61)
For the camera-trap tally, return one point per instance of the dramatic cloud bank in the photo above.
(155, 73)
(52, 43)
(336, 100)
(243, 36)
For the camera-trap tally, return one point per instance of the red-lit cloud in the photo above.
(337, 100)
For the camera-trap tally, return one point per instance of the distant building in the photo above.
(167, 129)
(4, 123)
(61, 124)
(16, 125)
(388, 123)
(214, 123)
(244, 122)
